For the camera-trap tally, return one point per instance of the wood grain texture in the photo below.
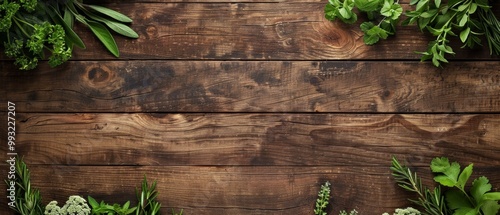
(236, 190)
(226, 190)
(256, 31)
(248, 86)
(255, 139)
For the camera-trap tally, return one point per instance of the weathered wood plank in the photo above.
(257, 31)
(235, 190)
(248, 86)
(278, 31)
(255, 139)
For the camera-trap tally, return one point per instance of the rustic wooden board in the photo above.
(236, 189)
(255, 139)
(249, 86)
(257, 31)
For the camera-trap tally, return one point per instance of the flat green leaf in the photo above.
(490, 208)
(456, 199)
(104, 36)
(437, 3)
(479, 187)
(368, 5)
(464, 34)
(344, 13)
(115, 26)
(111, 13)
(330, 12)
(68, 18)
(440, 164)
(473, 8)
(464, 176)
(366, 26)
(495, 196)
(93, 203)
(370, 39)
(463, 20)
(465, 211)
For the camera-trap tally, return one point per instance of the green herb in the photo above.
(457, 200)
(103, 208)
(147, 204)
(30, 29)
(432, 201)
(28, 199)
(383, 16)
(465, 19)
(322, 200)
(479, 200)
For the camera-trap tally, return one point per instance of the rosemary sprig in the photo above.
(491, 26)
(432, 201)
(147, 204)
(28, 199)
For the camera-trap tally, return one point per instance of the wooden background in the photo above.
(246, 107)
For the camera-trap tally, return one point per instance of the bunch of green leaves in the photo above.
(28, 199)
(98, 19)
(478, 200)
(147, 204)
(383, 16)
(432, 201)
(323, 199)
(466, 19)
(103, 208)
(28, 34)
(456, 200)
(446, 19)
(30, 29)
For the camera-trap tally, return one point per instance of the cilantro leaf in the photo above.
(456, 199)
(490, 207)
(449, 171)
(480, 186)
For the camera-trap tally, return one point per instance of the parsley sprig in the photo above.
(457, 199)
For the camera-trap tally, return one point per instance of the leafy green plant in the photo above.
(467, 19)
(32, 28)
(383, 16)
(74, 205)
(28, 200)
(432, 201)
(147, 204)
(104, 208)
(457, 200)
(323, 199)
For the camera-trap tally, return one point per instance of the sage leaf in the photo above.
(111, 13)
(121, 29)
(115, 26)
(104, 36)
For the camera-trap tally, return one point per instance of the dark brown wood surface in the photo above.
(247, 107)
